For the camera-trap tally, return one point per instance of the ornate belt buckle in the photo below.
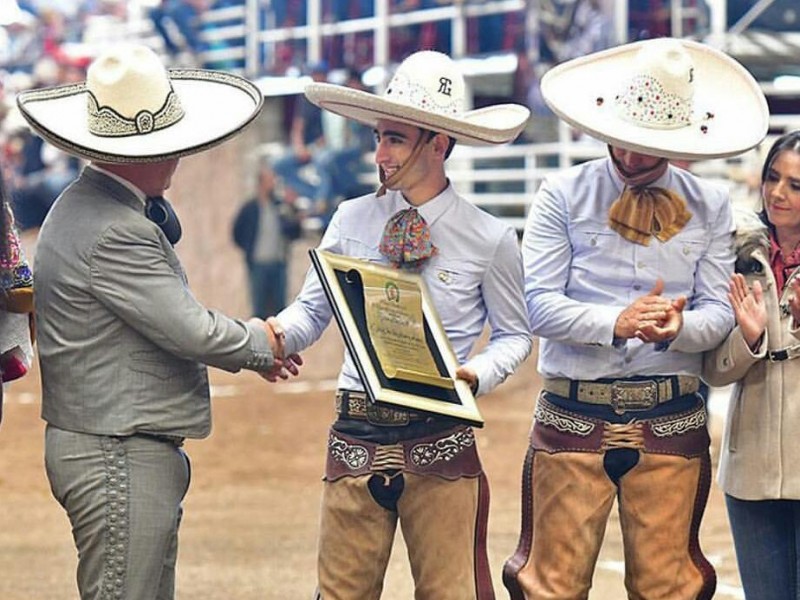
(383, 415)
(633, 395)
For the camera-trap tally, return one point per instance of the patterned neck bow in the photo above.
(160, 212)
(406, 240)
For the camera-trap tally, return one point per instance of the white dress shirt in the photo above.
(474, 279)
(580, 275)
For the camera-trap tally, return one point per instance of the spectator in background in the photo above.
(581, 28)
(307, 139)
(649, 19)
(585, 28)
(20, 44)
(341, 164)
(38, 173)
(185, 14)
(264, 229)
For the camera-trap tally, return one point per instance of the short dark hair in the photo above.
(452, 141)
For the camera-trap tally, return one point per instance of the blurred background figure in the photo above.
(567, 29)
(341, 163)
(185, 16)
(264, 229)
(582, 27)
(36, 172)
(299, 167)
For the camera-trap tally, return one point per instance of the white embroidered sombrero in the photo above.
(131, 109)
(428, 91)
(664, 97)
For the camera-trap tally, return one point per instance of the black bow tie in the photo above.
(160, 212)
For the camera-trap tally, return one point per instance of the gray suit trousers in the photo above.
(123, 497)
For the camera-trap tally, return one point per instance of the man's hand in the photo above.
(282, 368)
(469, 376)
(666, 330)
(283, 365)
(649, 311)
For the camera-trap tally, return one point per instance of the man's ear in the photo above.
(440, 144)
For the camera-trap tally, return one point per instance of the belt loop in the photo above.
(573, 389)
(676, 386)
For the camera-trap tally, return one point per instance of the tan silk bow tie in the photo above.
(641, 214)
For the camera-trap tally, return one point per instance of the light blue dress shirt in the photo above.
(475, 278)
(580, 275)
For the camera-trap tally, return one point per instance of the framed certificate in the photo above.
(392, 331)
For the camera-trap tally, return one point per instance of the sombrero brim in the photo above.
(497, 124)
(217, 106)
(730, 112)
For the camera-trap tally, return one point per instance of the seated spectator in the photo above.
(584, 29)
(341, 164)
(20, 44)
(185, 14)
(308, 144)
(37, 173)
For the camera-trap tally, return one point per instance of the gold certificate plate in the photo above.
(392, 331)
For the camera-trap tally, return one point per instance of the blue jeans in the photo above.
(184, 16)
(288, 168)
(267, 288)
(766, 534)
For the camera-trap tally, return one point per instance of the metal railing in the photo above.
(257, 50)
(502, 180)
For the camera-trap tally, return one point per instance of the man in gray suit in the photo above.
(123, 343)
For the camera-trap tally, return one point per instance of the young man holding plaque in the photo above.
(627, 262)
(388, 464)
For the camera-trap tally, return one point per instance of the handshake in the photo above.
(283, 365)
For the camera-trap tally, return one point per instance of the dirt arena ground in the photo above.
(249, 530)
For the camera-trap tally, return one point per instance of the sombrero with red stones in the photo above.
(663, 97)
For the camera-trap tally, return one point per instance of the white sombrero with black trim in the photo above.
(664, 97)
(427, 91)
(131, 109)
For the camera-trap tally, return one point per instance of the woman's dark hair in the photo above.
(787, 142)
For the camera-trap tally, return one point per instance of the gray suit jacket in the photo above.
(122, 341)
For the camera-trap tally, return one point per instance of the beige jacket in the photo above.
(760, 456)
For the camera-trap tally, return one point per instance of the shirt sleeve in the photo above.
(510, 338)
(307, 317)
(547, 258)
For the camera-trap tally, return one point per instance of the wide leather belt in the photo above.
(624, 394)
(356, 405)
